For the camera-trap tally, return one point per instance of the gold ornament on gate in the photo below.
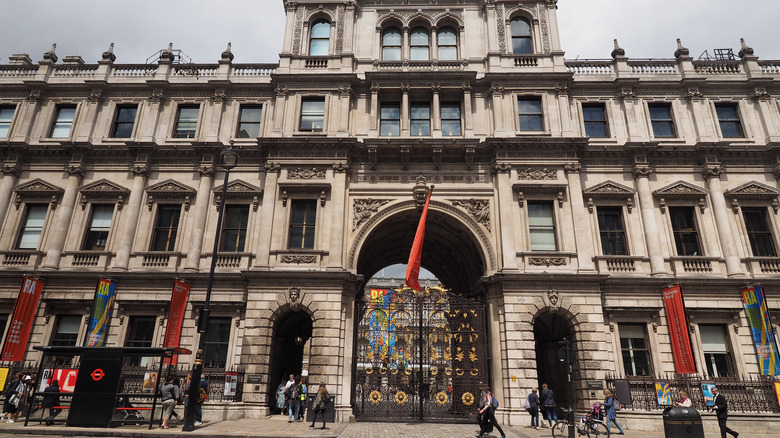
(441, 398)
(467, 398)
(375, 397)
(400, 397)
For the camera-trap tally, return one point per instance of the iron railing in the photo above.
(744, 394)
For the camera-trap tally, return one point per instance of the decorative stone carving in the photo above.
(103, 190)
(501, 23)
(157, 96)
(272, 167)
(712, 171)
(302, 173)
(627, 94)
(34, 96)
(363, 209)
(553, 299)
(694, 94)
(108, 55)
(420, 191)
(642, 171)
(298, 259)
(95, 95)
(294, 294)
(547, 261)
(537, 174)
(479, 209)
(501, 167)
(341, 167)
(761, 94)
(609, 191)
(239, 190)
(683, 193)
(542, 13)
(37, 190)
(755, 193)
(169, 190)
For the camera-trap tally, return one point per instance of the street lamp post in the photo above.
(229, 159)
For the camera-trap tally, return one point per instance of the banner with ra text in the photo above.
(677, 324)
(15, 344)
(179, 295)
(761, 327)
(100, 317)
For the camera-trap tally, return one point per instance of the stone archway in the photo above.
(550, 328)
(289, 349)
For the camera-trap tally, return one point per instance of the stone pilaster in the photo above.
(647, 206)
(712, 173)
(267, 212)
(56, 242)
(506, 208)
(200, 214)
(10, 170)
(131, 212)
(582, 235)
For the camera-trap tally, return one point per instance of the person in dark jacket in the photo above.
(51, 398)
(533, 410)
(721, 408)
(547, 399)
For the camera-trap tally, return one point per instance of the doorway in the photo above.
(549, 331)
(289, 350)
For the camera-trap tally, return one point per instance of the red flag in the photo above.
(181, 290)
(678, 330)
(413, 265)
(22, 320)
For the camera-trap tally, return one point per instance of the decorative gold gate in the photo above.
(420, 355)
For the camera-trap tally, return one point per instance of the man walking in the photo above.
(722, 411)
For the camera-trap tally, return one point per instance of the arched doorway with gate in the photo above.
(550, 330)
(290, 350)
(421, 355)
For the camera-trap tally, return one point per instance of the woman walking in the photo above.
(13, 395)
(609, 405)
(320, 404)
(533, 410)
(487, 413)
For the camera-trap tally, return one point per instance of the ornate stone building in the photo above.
(568, 194)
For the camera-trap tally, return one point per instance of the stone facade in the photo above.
(349, 134)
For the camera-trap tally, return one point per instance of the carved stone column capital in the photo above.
(712, 171)
(206, 169)
(272, 167)
(642, 171)
(572, 167)
(501, 167)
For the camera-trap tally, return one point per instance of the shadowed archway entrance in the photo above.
(420, 355)
(289, 350)
(549, 331)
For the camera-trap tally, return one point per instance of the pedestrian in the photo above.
(170, 396)
(487, 412)
(24, 401)
(533, 408)
(321, 402)
(295, 400)
(51, 398)
(547, 399)
(287, 394)
(684, 402)
(304, 392)
(180, 400)
(13, 395)
(280, 396)
(203, 396)
(610, 406)
(721, 408)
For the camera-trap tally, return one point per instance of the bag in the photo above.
(14, 400)
(617, 404)
(494, 401)
(527, 404)
(325, 401)
(202, 396)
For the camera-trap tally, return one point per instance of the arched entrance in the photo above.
(549, 331)
(420, 355)
(289, 350)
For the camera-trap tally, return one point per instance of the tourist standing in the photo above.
(321, 402)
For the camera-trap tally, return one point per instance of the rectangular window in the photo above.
(63, 121)
(249, 121)
(313, 114)
(34, 219)
(303, 219)
(716, 352)
(234, 228)
(186, 122)
(166, 228)
(215, 346)
(99, 226)
(541, 226)
(3, 322)
(759, 234)
(686, 237)
(595, 118)
(450, 119)
(140, 334)
(66, 331)
(661, 119)
(421, 119)
(613, 235)
(6, 116)
(728, 118)
(124, 120)
(634, 349)
(530, 110)
(390, 120)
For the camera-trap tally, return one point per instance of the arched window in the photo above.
(448, 44)
(319, 43)
(521, 36)
(391, 44)
(419, 44)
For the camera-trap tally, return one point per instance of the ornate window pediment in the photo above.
(753, 193)
(37, 190)
(319, 190)
(169, 190)
(239, 190)
(609, 191)
(539, 191)
(681, 193)
(104, 191)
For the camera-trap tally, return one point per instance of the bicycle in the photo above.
(588, 425)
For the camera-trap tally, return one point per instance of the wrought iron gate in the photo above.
(420, 355)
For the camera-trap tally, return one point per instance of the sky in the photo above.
(202, 28)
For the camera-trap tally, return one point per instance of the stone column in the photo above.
(646, 204)
(498, 116)
(374, 117)
(468, 119)
(345, 95)
(712, 173)
(582, 235)
(279, 106)
(133, 209)
(265, 234)
(494, 310)
(11, 170)
(505, 208)
(199, 215)
(436, 112)
(56, 242)
(405, 122)
(338, 209)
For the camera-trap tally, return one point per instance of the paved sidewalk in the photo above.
(277, 426)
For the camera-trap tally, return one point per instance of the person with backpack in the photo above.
(302, 403)
(610, 406)
(294, 406)
(533, 408)
(13, 395)
(487, 413)
(547, 398)
(203, 396)
(321, 402)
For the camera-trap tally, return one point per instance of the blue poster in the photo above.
(100, 317)
(761, 327)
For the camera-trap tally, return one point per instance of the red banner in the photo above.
(413, 265)
(21, 324)
(678, 330)
(181, 291)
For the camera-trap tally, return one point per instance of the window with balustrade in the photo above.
(303, 223)
(166, 227)
(686, 234)
(319, 41)
(390, 119)
(447, 42)
(234, 227)
(419, 44)
(391, 44)
(32, 226)
(521, 36)
(99, 226)
(759, 231)
(612, 230)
